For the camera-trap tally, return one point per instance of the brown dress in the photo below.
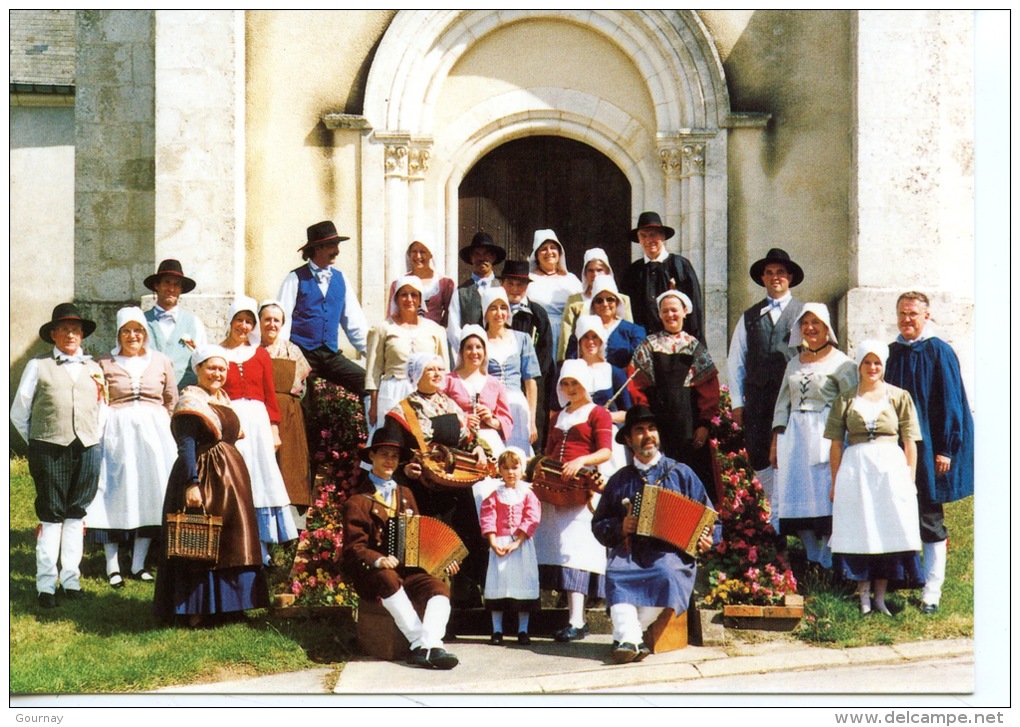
(292, 456)
(235, 582)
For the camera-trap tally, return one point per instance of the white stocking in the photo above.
(141, 551)
(575, 607)
(433, 625)
(47, 551)
(934, 572)
(112, 552)
(400, 608)
(72, 543)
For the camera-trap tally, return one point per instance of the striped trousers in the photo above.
(66, 479)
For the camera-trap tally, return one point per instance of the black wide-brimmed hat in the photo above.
(650, 220)
(66, 312)
(776, 255)
(322, 233)
(516, 269)
(172, 268)
(483, 240)
(388, 435)
(635, 415)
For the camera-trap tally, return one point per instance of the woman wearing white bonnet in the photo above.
(800, 451)
(138, 449)
(437, 290)
(876, 538)
(551, 283)
(512, 360)
(596, 266)
(252, 393)
(392, 342)
(483, 398)
(570, 559)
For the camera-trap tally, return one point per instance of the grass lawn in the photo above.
(111, 642)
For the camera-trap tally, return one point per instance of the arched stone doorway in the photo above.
(547, 181)
(644, 88)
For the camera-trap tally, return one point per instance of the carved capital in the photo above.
(693, 156)
(396, 160)
(417, 162)
(671, 161)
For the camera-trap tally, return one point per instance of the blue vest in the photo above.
(316, 319)
(173, 347)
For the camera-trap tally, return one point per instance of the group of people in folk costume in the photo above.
(856, 457)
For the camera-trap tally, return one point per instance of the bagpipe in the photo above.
(550, 485)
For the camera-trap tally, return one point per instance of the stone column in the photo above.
(397, 208)
(114, 163)
(199, 154)
(912, 183)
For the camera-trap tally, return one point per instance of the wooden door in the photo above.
(548, 182)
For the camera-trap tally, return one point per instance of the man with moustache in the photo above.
(928, 368)
(318, 304)
(466, 305)
(644, 575)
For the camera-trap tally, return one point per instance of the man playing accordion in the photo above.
(374, 573)
(644, 574)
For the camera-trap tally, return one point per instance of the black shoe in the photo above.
(523, 639)
(432, 658)
(626, 653)
(929, 608)
(47, 600)
(144, 575)
(642, 652)
(116, 580)
(74, 595)
(496, 639)
(569, 633)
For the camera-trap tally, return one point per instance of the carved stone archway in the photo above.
(412, 167)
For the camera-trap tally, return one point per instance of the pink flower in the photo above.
(752, 555)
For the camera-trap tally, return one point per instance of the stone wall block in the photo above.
(127, 26)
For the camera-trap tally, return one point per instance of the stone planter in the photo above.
(766, 618)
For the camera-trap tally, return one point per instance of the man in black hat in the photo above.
(466, 307)
(56, 410)
(644, 575)
(759, 351)
(174, 332)
(369, 514)
(318, 304)
(531, 318)
(658, 271)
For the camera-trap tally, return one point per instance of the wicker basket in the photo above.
(193, 536)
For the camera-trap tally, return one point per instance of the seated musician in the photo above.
(426, 417)
(644, 575)
(375, 500)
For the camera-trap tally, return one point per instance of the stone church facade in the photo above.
(217, 137)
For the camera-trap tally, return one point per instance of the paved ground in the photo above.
(943, 667)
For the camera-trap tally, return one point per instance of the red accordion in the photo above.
(423, 542)
(671, 517)
(549, 484)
